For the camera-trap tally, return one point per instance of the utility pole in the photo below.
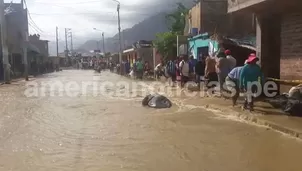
(4, 44)
(66, 43)
(119, 32)
(57, 41)
(103, 35)
(71, 44)
(25, 42)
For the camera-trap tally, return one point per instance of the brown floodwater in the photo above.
(100, 129)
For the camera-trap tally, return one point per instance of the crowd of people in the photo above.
(222, 72)
(138, 70)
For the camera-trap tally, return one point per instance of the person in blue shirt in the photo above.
(127, 67)
(192, 63)
(171, 70)
(249, 75)
(232, 83)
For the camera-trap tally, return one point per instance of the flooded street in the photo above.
(115, 133)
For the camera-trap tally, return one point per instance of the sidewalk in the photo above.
(264, 114)
(17, 80)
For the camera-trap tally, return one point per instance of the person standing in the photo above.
(223, 67)
(192, 64)
(210, 73)
(184, 69)
(171, 70)
(159, 70)
(232, 60)
(127, 67)
(250, 74)
(232, 83)
(139, 68)
(177, 62)
(200, 70)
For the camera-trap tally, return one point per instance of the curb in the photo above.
(17, 80)
(261, 122)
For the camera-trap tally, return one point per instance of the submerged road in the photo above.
(45, 127)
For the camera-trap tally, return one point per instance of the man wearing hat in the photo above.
(250, 75)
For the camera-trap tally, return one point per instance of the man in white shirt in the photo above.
(159, 71)
(233, 61)
(184, 70)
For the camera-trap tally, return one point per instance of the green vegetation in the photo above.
(166, 43)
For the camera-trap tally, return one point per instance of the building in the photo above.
(16, 21)
(141, 49)
(209, 19)
(17, 25)
(42, 45)
(279, 35)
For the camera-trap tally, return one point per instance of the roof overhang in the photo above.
(244, 5)
(128, 50)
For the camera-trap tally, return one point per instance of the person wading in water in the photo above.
(184, 70)
(249, 76)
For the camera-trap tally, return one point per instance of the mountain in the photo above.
(144, 30)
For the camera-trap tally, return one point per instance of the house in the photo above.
(17, 25)
(279, 35)
(141, 49)
(209, 19)
(42, 45)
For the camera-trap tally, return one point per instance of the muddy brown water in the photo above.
(111, 132)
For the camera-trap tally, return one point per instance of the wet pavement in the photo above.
(49, 129)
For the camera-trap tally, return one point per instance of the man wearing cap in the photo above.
(250, 74)
(232, 60)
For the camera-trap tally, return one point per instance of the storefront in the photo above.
(202, 45)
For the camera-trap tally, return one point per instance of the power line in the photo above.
(71, 3)
(29, 16)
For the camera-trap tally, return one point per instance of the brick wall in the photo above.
(214, 16)
(291, 46)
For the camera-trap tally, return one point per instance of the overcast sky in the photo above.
(84, 15)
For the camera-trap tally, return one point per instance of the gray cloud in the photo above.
(131, 14)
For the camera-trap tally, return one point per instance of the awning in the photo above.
(32, 48)
(248, 43)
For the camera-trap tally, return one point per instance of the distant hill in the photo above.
(144, 30)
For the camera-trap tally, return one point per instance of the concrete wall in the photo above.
(42, 45)
(235, 5)
(146, 54)
(195, 17)
(15, 28)
(214, 16)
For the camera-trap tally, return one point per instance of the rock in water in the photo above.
(157, 101)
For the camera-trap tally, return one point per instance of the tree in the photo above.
(178, 19)
(166, 43)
